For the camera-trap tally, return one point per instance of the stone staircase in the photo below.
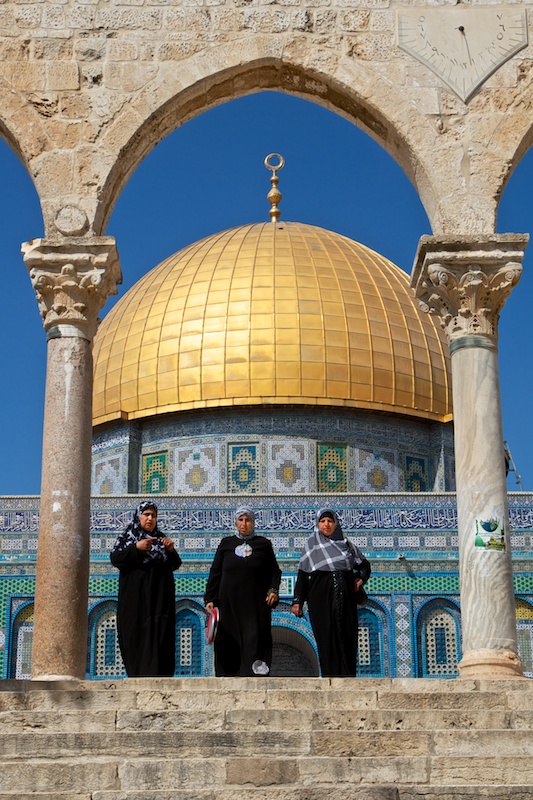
(267, 739)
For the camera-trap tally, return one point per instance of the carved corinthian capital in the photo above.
(467, 281)
(72, 280)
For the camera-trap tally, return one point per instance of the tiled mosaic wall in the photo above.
(418, 592)
(279, 453)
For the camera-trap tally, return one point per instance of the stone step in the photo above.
(87, 773)
(55, 721)
(339, 792)
(247, 739)
(299, 744)
(230, 694)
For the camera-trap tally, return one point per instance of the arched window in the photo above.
(106, 661)
(438, 640)
(370, 662)
(524, 631)
(21, 644)
(189, 643)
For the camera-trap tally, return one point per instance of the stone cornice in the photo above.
(466, 281)
(72, 281)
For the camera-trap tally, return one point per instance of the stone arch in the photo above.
(343, 88)
(21, 125)
(438, 633)
(510, 141)
(524, 625)
(104, 659)
(373, 650)
(190, 642)
(20, 643)
(293, 654)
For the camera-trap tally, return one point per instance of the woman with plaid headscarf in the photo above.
(332, 570)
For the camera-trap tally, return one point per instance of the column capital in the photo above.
(72, 281)
(466, 281)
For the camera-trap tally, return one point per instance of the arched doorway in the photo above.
(439, 639)
(293, 655)
(524, 629)
(22, 644)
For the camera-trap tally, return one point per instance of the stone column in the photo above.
(466, 283)
(72, 280)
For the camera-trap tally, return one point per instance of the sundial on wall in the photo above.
(462, 45)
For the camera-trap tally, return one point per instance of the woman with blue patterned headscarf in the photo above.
(146, 615)
(243, 584)
(331, 573)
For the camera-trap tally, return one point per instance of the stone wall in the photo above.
(88, 89)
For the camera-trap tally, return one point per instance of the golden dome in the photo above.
(271, 313)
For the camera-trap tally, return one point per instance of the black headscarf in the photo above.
(134, 533)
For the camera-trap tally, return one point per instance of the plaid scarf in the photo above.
(329, 553)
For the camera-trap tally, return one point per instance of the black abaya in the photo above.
(332, 607)
(146, 618)
(239, 586)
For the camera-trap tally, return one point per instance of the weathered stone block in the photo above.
(470, 701)
(128, 77)
(54, 17)
(75, 105)
(266, 21)
(353, 20)
(62, 77)
(196, 773)
(14, 50)
(471, 743)
(123, 51)
(369, 743)
(273, 720)
(55, 721)
(51, 49)
(480, 769)
(375, 770)
(28, 16)
(49, 776)
(128, 19)
(325, 21)
(411, 719)
(382, 20)
(81, 17)
(91, 48)
(27, 76)
(261, 771)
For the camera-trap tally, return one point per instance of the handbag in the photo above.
(361, 597)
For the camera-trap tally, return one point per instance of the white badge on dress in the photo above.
(243, 550)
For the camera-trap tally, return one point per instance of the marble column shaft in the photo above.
(487, 600)
(466, 283)
(72, 280)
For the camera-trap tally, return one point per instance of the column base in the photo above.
(490, 664)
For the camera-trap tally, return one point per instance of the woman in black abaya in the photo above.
(330, 573)
(244, 584)
(146, 617)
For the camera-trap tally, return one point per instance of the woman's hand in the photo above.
(145, 544)
(168, 543)
(209, 607)
(296, 609)
(358, 583)
(272, 598)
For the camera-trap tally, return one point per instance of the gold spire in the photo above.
(274, 195)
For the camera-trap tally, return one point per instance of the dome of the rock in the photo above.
(265, 314)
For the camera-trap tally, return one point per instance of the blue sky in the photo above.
(208, 176)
